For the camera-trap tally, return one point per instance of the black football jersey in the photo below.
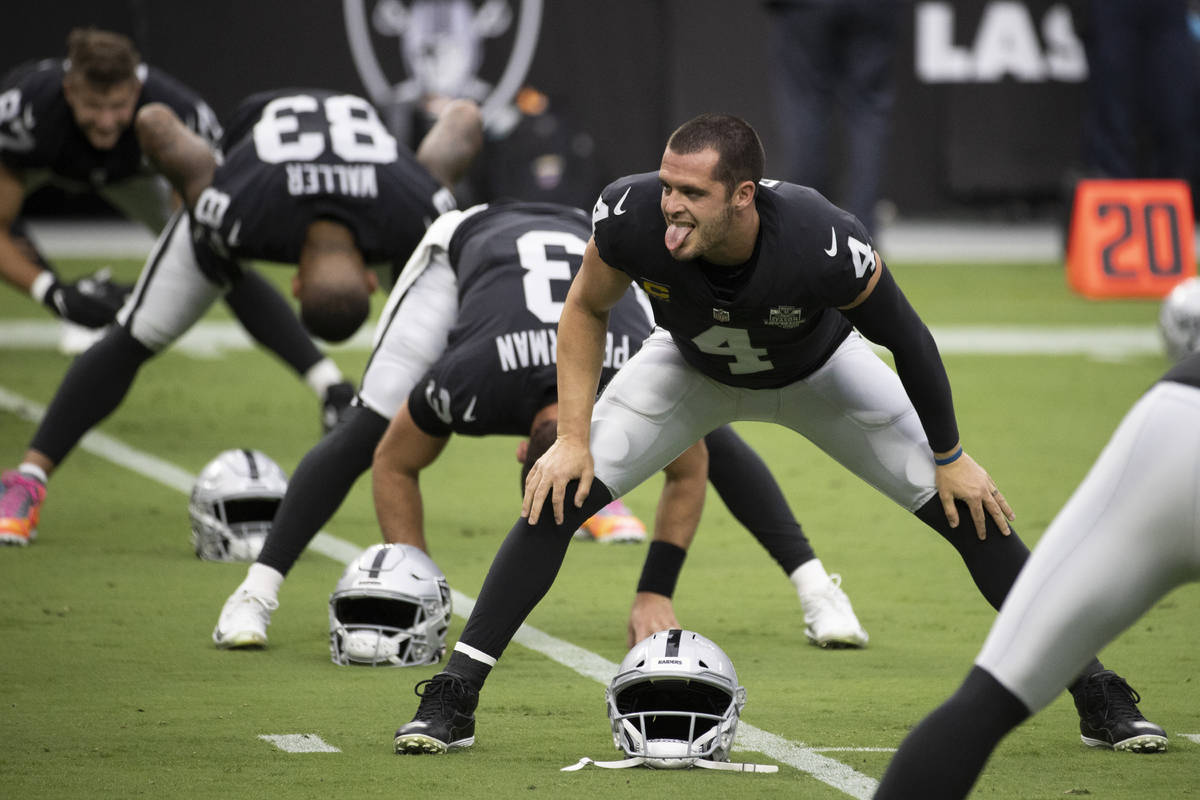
(514, 264)
(294, 156)
(38, 131)
(763, 324)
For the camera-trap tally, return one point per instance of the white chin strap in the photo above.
(703, 763)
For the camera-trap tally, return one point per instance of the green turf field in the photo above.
(110, 685)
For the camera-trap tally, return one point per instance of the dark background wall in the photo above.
(984, 123)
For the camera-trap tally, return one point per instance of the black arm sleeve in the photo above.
(887, 318)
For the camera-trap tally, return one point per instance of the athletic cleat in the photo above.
(334, 404)
(445, 719)
(21, 499)
(244, 620)
(829, 619)
(1109, 716)
(613, 523)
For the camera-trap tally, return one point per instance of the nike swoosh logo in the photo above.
(832, 249)
(469, 414)
(619, 208)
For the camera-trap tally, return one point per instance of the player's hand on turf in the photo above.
(90, 302)
(563, 462)
(652, 612)
(965, 480)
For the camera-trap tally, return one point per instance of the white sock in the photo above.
(322, 375)
(33, 471)
(262, 580)
(810, 577)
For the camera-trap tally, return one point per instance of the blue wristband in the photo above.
(950, 459)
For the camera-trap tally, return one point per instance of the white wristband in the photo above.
(41, 285)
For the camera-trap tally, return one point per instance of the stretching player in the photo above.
(481, 298)
(69, 124)
(310, 178)
(1132, 523)
(755, 286)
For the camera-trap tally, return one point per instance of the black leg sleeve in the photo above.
(92, 388)
(993, 562)
(942, 757)
(523, 571)
(319, 485)
(752, 495)
(267, 317)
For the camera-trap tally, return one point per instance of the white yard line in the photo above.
(586, 663)
(212, 339)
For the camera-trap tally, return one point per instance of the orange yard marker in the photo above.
(1130, 238)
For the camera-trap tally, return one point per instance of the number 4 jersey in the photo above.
(762, 324)
(295, 156)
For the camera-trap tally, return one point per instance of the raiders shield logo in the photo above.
(449, 48)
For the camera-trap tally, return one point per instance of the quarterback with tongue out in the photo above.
(757, 288)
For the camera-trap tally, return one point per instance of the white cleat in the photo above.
(244, 620)
(829, 619)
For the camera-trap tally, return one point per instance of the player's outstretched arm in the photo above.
(453, 142)
(183, 157)
(402, 453)
(582, 332)
(675, 524)
(17, 269)
(85, 302)
(883, 314)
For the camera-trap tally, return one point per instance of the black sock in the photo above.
(267, 317)
(320, 483)
(92, 388)
(524, 569)
(942, 757)
(753, 496)
(470, 670)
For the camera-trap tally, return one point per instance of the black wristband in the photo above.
(661, 570)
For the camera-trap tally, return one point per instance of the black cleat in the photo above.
(445, 720)
(1109, 716)
(334, 404)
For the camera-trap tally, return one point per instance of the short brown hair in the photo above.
(740, 155)
(102, 58)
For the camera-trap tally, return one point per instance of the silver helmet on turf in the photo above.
(675, 699)
(391, 607)
(233, 503)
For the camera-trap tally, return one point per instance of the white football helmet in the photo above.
(675, 700)
(391, 607)
(1179, 319)
(233, 503)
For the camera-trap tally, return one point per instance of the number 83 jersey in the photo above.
(762, 324)
(295, 156)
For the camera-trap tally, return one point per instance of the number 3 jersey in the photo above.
(514, 264)
(762, 324)
(38, 130)
(295, 156)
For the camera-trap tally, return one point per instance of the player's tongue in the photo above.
(675, 235)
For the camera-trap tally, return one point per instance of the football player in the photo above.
(1132, 523)
(466, 346)
(69, 124)
(757, 287)
(310, 178)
